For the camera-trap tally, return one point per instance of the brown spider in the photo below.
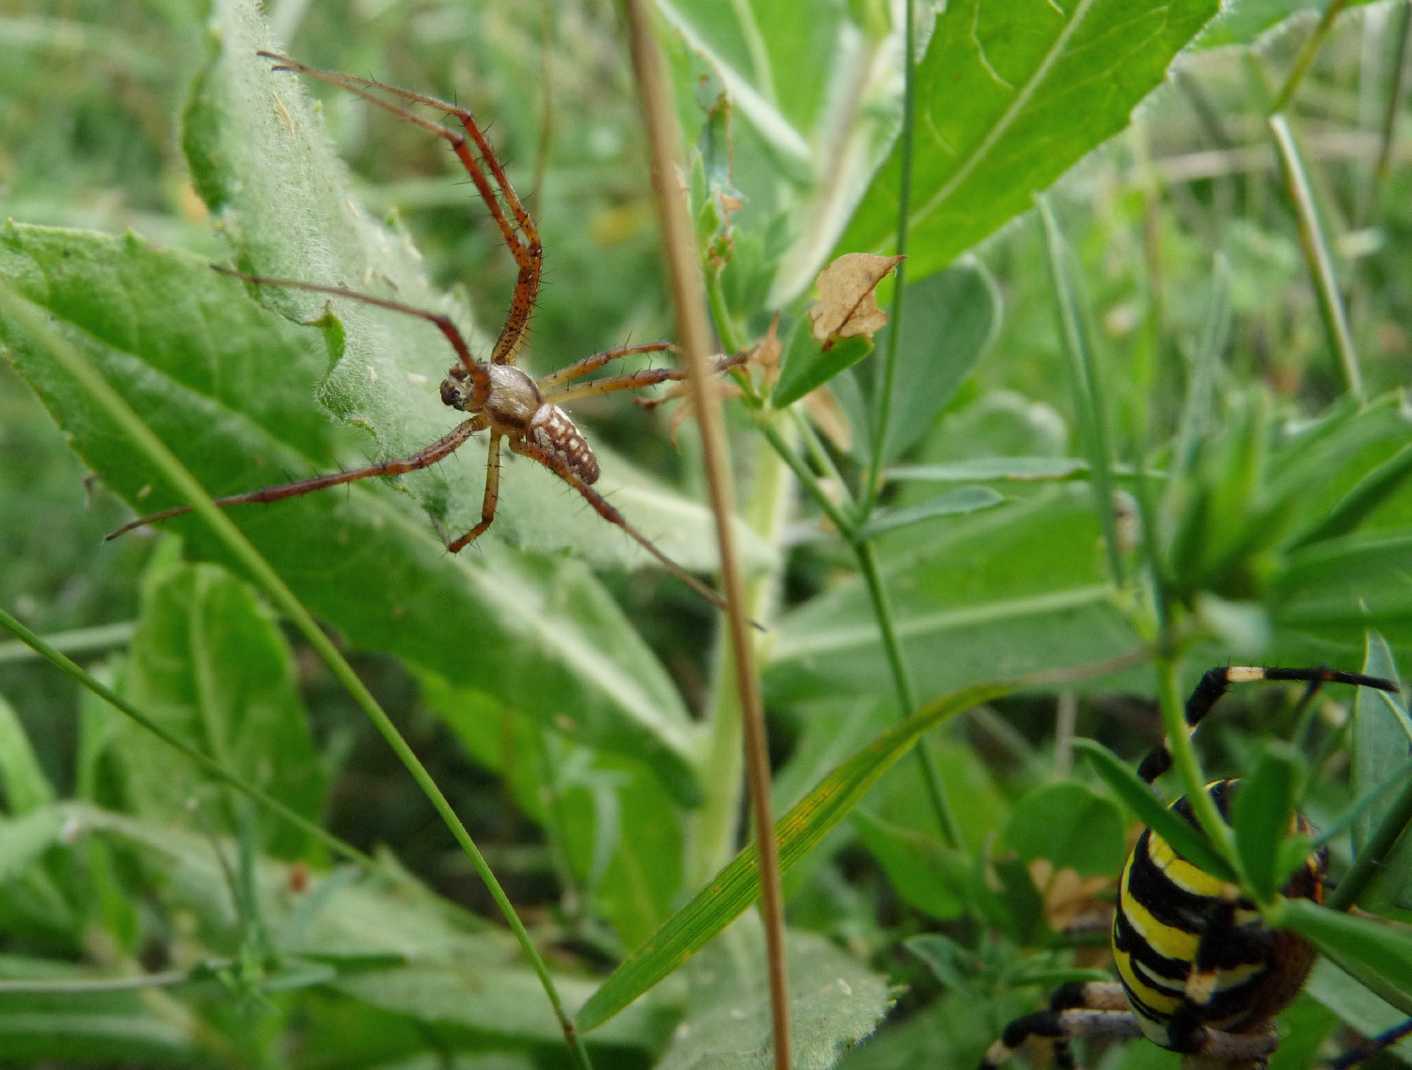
(522, 412)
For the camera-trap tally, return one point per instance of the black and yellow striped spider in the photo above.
(1199, 973)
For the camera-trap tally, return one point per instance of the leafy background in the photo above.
(570, 701)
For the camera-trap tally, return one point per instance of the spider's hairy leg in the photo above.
(633, 381)
(474, 368)
(521, 235)
(605, 509)
(489, 501)
(1215, 682)
(423, 458)
(579, 368)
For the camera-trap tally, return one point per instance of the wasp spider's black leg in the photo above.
(1371, 1046)
(1076, 1010)
(1215, 682)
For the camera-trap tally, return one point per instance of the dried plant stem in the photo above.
(694, 337)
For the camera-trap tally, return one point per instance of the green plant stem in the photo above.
(882, 613)
(77, 641)
(1307, 52)
(1374, 854)
(663, 138)
(187, 486)
(55, 657)
(1185, 762)
(1317, 253)
(902, 684)
(1388, 129)
(888, 371)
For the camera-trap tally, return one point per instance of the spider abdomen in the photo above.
(553, 430)
(1186, 948)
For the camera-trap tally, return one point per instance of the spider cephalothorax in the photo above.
(518, 411)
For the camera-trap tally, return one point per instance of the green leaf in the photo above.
(1381, 946)
(1070, 825)
(1377, 487)
(807, 366)
(835, 1002)
(953, 503)
(925, 872)
(618, 830)
(1003, 592)
(1264, 808)
(1382, 734)
(1128, 786)
(993, 469)
(210, 665)
(547, 639)
(1009, 98)
(799, 831)
(23, 840)
(950, 321)
(98, 1028)
(396, 946)
(1244, 21)
(1354, 1004)
(25, 786)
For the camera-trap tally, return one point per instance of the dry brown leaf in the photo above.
(1070, 901)
(847, 307)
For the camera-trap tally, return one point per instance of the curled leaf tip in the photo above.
(847, 305)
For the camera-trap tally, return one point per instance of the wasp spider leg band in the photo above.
(1215, 682)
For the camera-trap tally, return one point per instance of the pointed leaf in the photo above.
(1008, 98)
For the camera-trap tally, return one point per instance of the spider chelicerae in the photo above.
(521, 413)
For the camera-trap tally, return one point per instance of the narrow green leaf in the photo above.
(1072, 310)
(953, 503)
(1187, 840)
(1370, 492)
(807, 366)
(1008, 98)
(799, 831)
(1264, 805)
(1381, 946)
(25, 786)
(1070, 825)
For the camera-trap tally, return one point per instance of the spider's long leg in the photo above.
(473, 367)
(579, 368)
(524, 245)
(1060, 1026)
(605, 509)
(423, 458)
(633, 381)
(1215, 682)
(489, 501)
